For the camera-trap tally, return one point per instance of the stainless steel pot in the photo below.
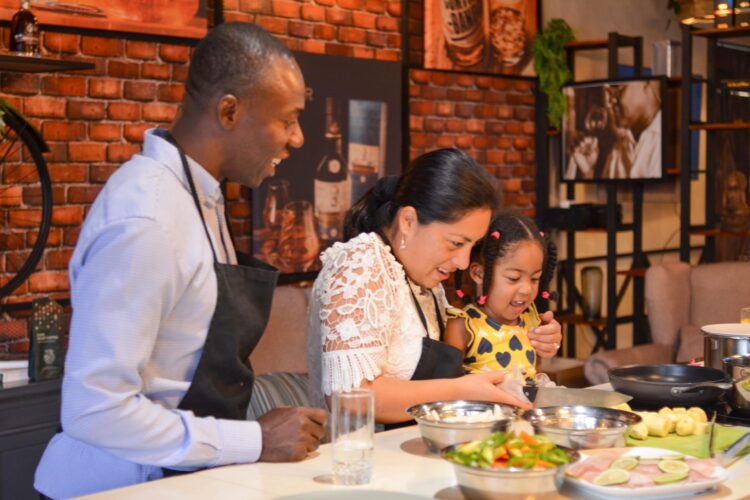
(722, 340)
(737, 368)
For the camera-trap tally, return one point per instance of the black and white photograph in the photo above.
(614, 130)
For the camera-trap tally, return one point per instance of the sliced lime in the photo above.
(625, 463)
(674, 467)
(612, 476)
(671, 477)
(676, 456)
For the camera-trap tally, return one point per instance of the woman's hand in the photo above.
(547, 336)
(483, 387)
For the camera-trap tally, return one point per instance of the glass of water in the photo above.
(352, 433)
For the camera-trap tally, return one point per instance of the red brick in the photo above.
(124, 111)
(484, 111)
(416, 123)
(313, 46)
(351, 4)
(338, 16)
(173, 92)
(139, 90)
(64, 43)
(325, 32)
(272, 24)
(445, 141)
(363, 52)
(68, 172)
(444, 109)
(301, 29)
(455, 125)
(54, 237)
(120, 69)
(454, 94)
(105, 131)
(377, 6)
(48, 281)
(387, 55)
(513, 128)
(513, 157)
(495, 157)
(119, 153)
(179, 73)
(327, 3)
(464, 141)
(100, 173)
(238, 17)
(24, 217)
(475, 126)
(435, 93)
(387, 23)
(58, 151)
(352, 35)
(12, 241)
(134, 131)
(434, 125)
(20, 83)
(58, 258)
(140, 50)
(443, 78)
(479, 142)
(339, 49)
(174, 53)
(254, 6)
(63, 131)
(523, 114)
(285, 8)
(87, 152)
(504, 112)
(376, 39)
(159, 112)
(70, 235)
(521, 143)
(71, 86)
(44, 107)
(474, 95)
(106, 47)
(239, 210)
(83, 194)
(105, 87)
(86, 110)
(156, 71)
(312, 12)
(67, 215)
(421, 107)
(394, 9)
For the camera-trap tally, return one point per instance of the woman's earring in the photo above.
(402, 245)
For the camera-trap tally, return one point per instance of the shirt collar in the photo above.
(157, 147)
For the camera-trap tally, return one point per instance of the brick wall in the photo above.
(94, 120)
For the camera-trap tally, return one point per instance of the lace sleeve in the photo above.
(357, 310)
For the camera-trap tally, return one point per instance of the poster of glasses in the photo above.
(172, 18)
(614, 130)
(488, 36)
(352, 129)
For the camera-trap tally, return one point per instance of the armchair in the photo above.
(679, 300)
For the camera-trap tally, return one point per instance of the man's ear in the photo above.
(228, 109)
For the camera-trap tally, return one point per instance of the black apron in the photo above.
(223, 381)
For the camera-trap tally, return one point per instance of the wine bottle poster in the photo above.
(484, 36)
(352, 128)
(171, 18)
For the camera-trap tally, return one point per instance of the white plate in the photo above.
(658, 491)
(728, 329)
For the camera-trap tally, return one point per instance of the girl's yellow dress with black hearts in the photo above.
(493, 346)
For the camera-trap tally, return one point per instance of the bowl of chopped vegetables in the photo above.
(506, 463)
(582, 427)
(443, 423)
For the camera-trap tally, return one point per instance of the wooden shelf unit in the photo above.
(28, 64)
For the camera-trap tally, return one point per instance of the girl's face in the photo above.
(434, 251)
(515, 281)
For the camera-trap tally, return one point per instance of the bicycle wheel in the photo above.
(25, 199)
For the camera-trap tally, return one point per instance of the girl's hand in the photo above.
(483, 387)
(547, 336)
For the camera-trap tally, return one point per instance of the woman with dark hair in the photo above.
(378, 309)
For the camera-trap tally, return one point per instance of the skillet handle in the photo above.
(678, 391)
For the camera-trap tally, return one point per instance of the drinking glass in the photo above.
(298, 242)
(352, 433)
(745, 315)
(508, 30)
(591, 291)
(277, 196)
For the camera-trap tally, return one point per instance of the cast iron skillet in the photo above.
(668, 385)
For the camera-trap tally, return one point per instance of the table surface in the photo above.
(403, 469)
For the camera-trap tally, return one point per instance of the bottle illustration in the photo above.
(463, 30)
(367, 135)
(331, 185)
(24, 32)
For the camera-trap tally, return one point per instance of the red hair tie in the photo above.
(495, 234)
(545, 294)
(541, 233)
(460, 294)
(482, 300)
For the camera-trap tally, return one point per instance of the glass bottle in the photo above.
(24, 32)
(299, 245)
(331, 184)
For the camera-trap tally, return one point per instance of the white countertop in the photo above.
(403, 469)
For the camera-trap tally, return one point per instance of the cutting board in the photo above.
(693, 445)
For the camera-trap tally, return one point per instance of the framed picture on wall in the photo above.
(614, 130)
(486, 36)
(170, 18)
(352, 129)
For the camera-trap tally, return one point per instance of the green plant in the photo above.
(551, 65)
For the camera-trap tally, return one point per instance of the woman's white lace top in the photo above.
(362, 321)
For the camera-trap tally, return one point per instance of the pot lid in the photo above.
(728, 329)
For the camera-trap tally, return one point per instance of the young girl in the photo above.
(507, 267)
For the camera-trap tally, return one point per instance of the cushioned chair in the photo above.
(680, 299)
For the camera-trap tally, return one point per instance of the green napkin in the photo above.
(725, 436)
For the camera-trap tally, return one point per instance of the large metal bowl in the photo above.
(582, 427)
(437, 433)
(489, 484)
